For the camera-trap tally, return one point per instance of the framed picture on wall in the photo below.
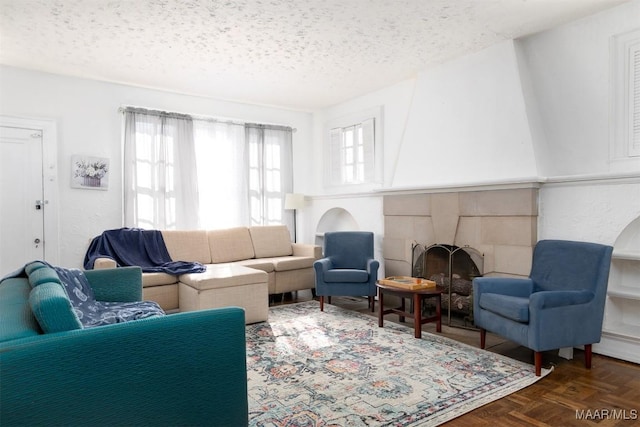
(91, 173)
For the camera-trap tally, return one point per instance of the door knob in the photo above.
(36, 241)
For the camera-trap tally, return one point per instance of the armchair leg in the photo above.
(587, 356)
(372, 304)
(538, 361)
(321, 303)
(483, 338)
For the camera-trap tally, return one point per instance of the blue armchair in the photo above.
(561, 304)
(348, 267)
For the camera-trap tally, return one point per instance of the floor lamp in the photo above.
(294, 201)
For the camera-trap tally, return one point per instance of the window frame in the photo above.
(371, 160)
(625, 95)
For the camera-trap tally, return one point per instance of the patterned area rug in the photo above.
(338, 368)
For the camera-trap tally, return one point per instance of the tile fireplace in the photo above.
(452, 268)
(497, 226)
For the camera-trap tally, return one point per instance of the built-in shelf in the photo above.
(621, 329)
(630, 255)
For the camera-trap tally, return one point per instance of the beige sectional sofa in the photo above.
(244, 266)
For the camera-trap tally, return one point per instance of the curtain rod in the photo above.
(160, 113)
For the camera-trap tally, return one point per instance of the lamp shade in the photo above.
(293, 201)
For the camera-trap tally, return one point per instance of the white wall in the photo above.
(396, 102)
(593, 210)
(467, 124)
(361, 202)
(537, 107)
(86, 113)
(463, 122)
(570, 70)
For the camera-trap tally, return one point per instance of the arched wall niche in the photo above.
(622, 311)
(624, 278)
(335, 219)
(629, 239)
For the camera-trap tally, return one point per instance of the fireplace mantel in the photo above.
(511, 184)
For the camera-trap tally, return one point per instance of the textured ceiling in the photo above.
(301, 54)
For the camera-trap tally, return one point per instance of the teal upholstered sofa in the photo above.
(180, 369)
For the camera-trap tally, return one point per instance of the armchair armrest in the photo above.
(372, 266)
(321, 265)
(133, 373)
(551, 299)
(122, 284)
(303, 249)
(104, 262)
(515, 287)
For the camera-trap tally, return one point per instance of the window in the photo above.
(354, 150)
(160, 180)
(183, 172)
(634, 99)
(270, 173)
(626, 94)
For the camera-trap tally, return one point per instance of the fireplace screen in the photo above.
(453, 268)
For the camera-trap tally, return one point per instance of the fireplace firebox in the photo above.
(453, 268)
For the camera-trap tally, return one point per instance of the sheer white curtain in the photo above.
(270, 174)
(222, 174)
(188, 173)
(160, 175)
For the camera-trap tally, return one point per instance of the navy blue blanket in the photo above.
(137, 247)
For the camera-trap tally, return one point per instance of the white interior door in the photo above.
(22, 202)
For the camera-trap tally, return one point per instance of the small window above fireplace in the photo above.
(353, 149)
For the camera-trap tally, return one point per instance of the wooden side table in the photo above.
(418, 295)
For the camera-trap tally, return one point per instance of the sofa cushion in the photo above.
(264, 264)
(224, 276)
(187, 245)
(43, 275)
(35, 265)
(271, 241)
(514, 308)
(233, 244)
(158, 279)
(52, 308)
(348, 275)
(165, 295)
(292, 262)
(16, 317)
